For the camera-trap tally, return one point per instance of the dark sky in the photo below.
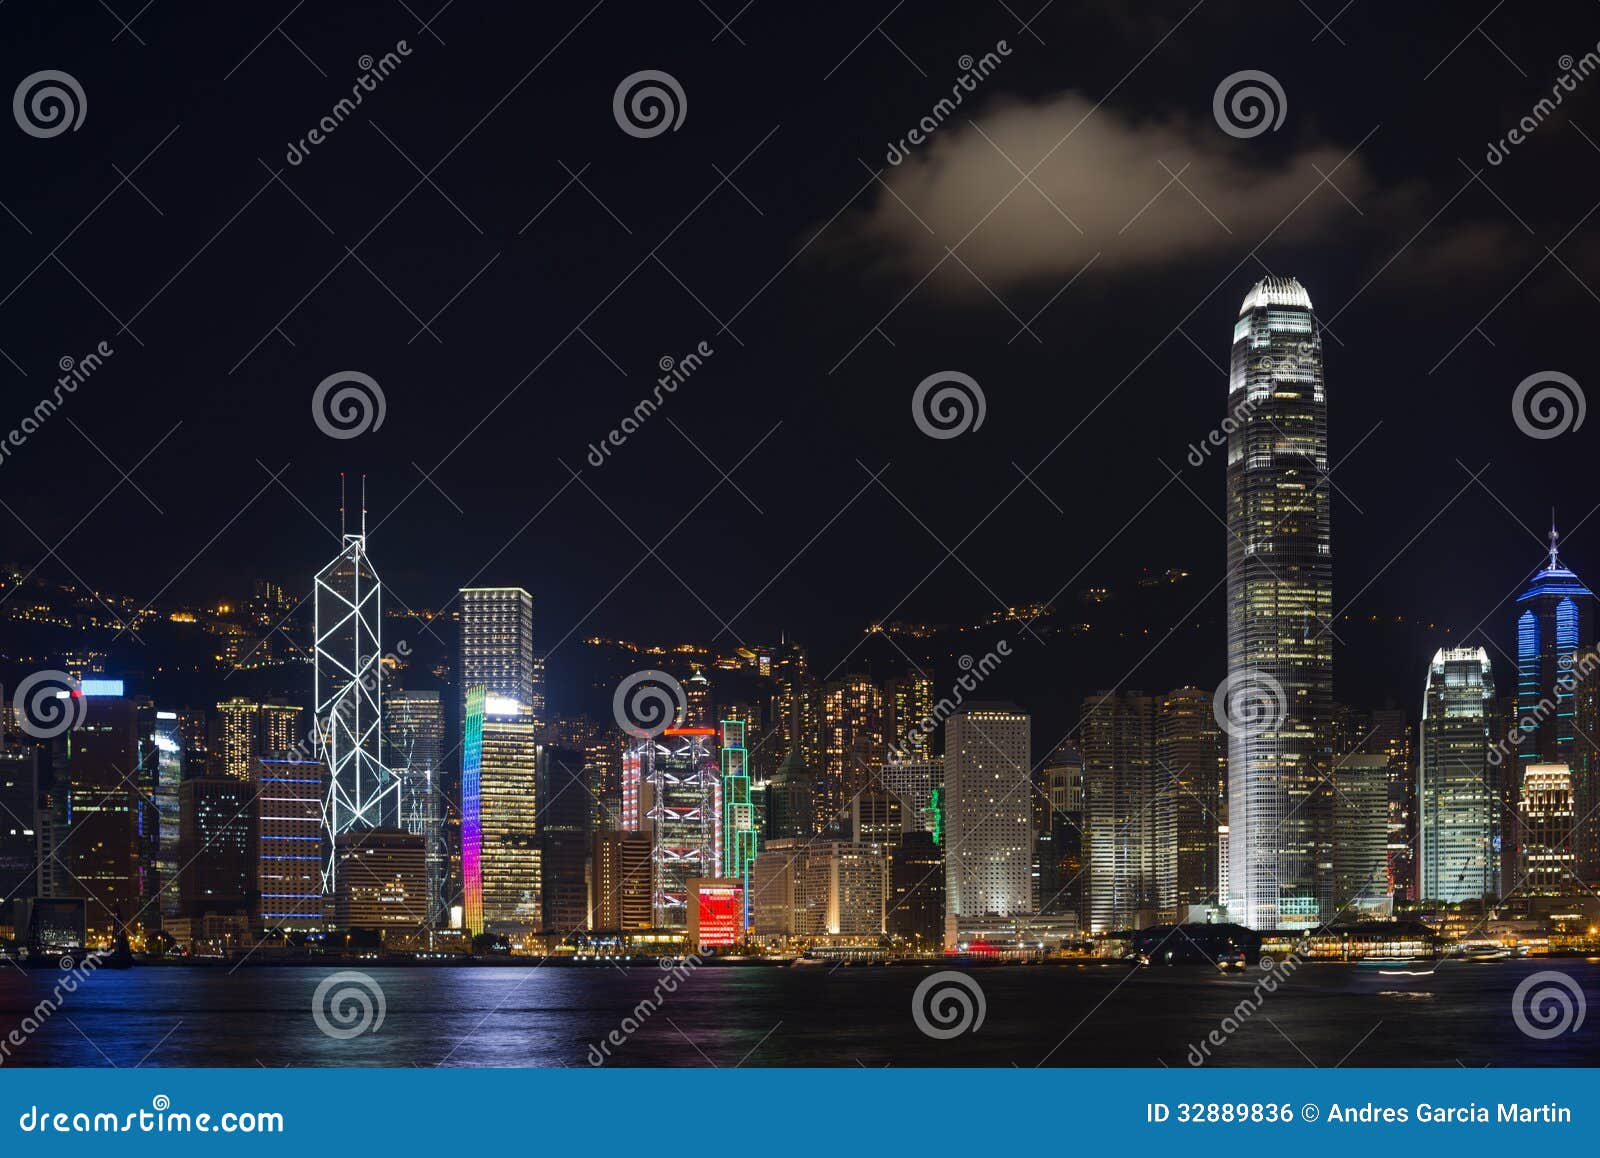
(550, 298)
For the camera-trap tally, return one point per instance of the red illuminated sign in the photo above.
(721, 914)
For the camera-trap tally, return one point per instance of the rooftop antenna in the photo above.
(341, 505)
(363, 507)
(1554, 562)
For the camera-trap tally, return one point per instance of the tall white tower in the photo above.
(361, 792)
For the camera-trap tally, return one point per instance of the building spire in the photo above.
(1555, 563)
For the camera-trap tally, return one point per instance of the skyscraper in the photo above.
(1188, 781)
(361, 792)
(216, 845)
(1116, 736)
(670, 790)
(167, 740)
(497, 644)
(290, 795)
(913, 780)
(621, 893)
(19, 798)
(383, 880)
(791, 799)
(1545, 812)
(247, 728)
(1459, 809)
(472, 809)
(740, 839)
(508, 812)
(793, 710)
(988, 828)
(852, 747)
(907, 703)
(1555, 626)
(1280, 604)
(1361, 818)
(97, 810)
(566, 816)
(415, 734)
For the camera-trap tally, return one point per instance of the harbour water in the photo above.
(1073, 1015)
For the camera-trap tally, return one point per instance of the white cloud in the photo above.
(1101, 169)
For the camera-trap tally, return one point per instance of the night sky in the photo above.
(483, 239)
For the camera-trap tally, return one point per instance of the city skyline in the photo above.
(648, 536)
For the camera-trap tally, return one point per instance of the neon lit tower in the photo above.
(362, 793)
(472, 811)
(740, 841)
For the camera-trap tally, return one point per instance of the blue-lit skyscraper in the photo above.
(1280, 607)
(1555, 627)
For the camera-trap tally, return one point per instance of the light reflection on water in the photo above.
(514, 1016)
